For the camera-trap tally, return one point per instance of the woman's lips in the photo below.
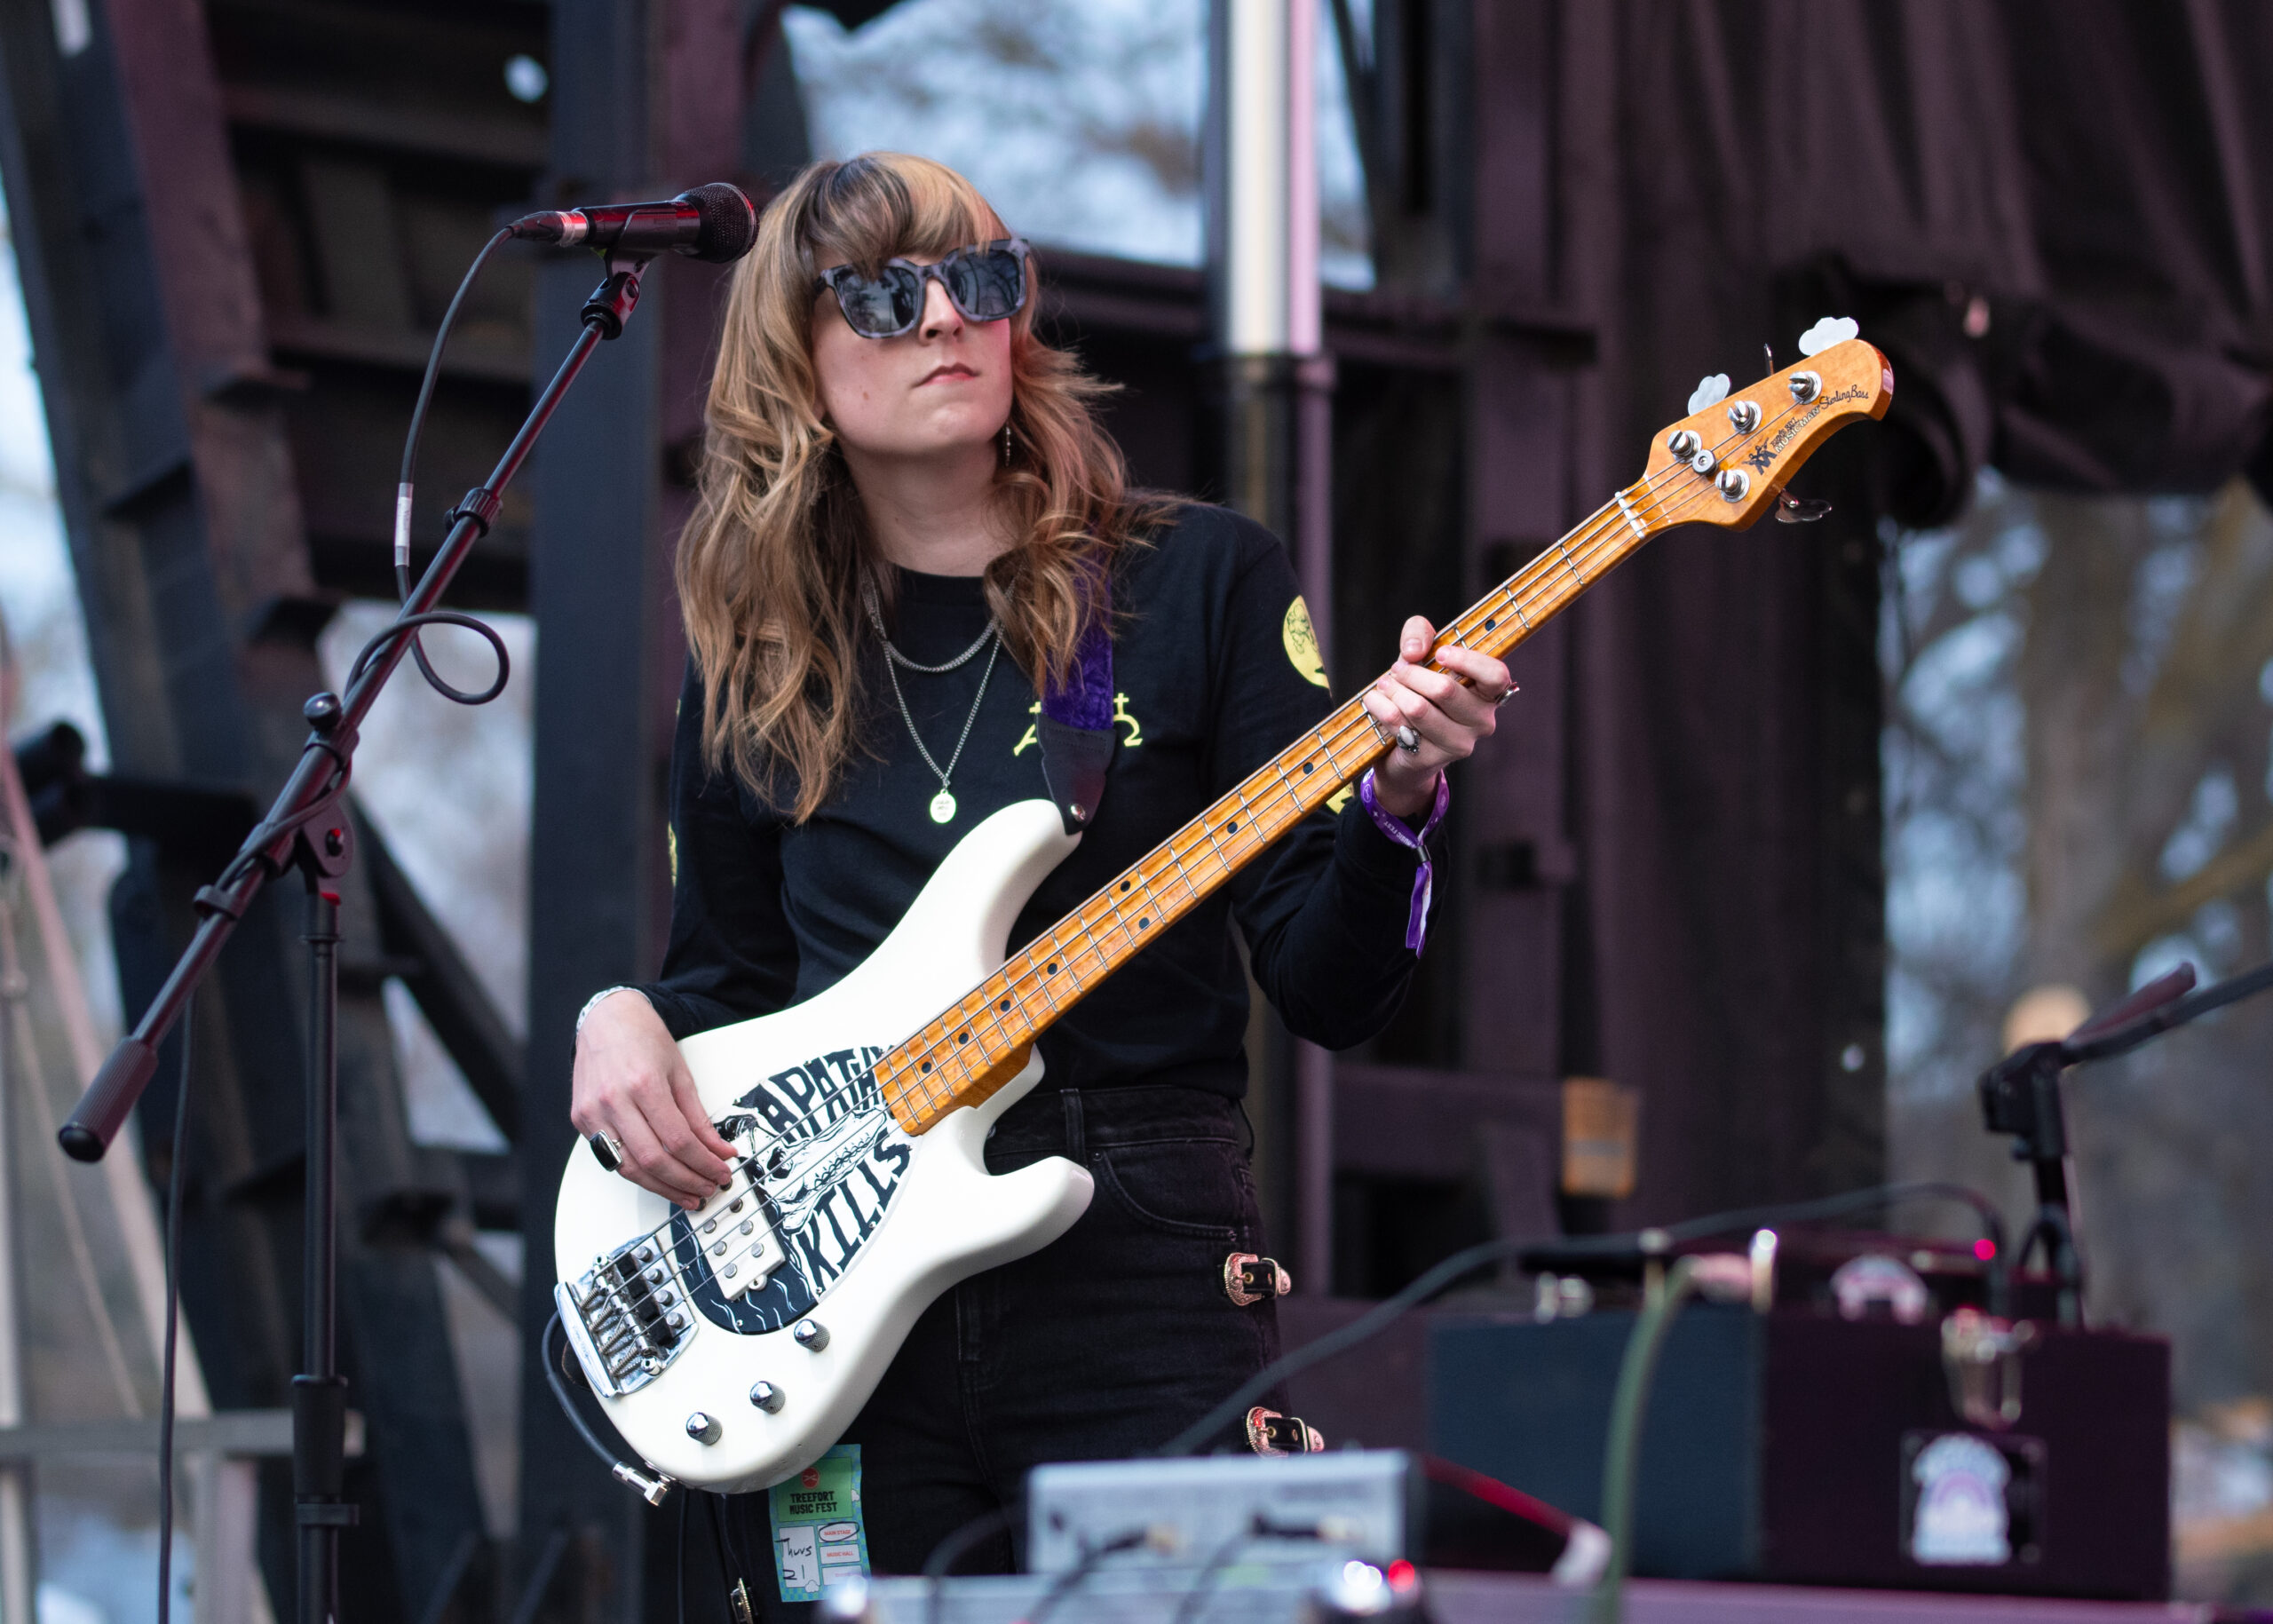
(953, 370)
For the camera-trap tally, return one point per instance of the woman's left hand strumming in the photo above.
(1445, 716)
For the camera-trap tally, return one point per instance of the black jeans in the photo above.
(1104, 1344)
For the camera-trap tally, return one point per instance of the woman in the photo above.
(910, 520)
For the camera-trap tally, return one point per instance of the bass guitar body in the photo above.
(733, 1346)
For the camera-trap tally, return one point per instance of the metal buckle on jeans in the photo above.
(1249, 1279)
(1267, 1432)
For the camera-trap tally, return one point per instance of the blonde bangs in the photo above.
(916, 208)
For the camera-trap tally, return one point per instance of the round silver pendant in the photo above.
(943, 808)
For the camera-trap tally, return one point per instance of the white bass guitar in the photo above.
(732, 1346)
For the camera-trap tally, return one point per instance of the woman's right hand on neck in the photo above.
(631, 1082)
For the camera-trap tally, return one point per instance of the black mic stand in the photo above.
(2021, 1095)
(307, 830)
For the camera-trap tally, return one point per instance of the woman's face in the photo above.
(942, 389)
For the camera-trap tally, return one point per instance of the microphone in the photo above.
(716, 224)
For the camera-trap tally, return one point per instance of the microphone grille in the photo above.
(729, 222)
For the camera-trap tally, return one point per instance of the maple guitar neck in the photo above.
(1724, 465)
(983, 1041)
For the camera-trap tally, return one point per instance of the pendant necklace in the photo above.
(943, 805)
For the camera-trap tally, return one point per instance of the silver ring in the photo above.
(1407, 740)
(608, 1150)
(1506, 694)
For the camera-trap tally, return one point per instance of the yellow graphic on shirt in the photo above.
(1340, 798)
(1301, 639)
(671, 839)
(1133, 738)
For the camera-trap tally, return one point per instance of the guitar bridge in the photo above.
(627, 1317)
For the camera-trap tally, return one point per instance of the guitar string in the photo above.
(1256, 799)
(1267, 808)
(929, 1093)
(1606, 525)
(1602, 531)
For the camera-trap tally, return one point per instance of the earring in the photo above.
(1006, 442)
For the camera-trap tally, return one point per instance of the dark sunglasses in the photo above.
(986, 282)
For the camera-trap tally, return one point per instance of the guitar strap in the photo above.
(1075, 728)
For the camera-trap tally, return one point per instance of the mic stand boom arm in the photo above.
(2020, 1096)
(300, 833)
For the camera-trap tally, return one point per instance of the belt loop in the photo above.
(1076, 1145)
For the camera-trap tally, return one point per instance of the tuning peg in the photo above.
(1823, 334)
(1799, 509)
(1709, 391)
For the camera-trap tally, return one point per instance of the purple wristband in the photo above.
(1416, 924)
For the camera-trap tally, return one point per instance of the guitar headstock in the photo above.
(1726, 462)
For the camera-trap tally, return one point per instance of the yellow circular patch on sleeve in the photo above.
(1301, 639)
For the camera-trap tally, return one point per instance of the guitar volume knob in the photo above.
(766, 1397)
(811, 1335)
(703, 1428)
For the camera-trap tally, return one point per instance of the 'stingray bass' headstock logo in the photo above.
(1768, 451)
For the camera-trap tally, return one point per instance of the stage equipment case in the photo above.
(1800, 1448)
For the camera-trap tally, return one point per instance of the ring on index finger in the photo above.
(608, 1150)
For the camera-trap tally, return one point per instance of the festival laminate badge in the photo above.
(820, 1537)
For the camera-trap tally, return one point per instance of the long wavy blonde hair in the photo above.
(771, 563)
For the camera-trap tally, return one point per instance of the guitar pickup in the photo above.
(744, 1254)
(1249, 1279)
(1267, 1432)
(741, 1242)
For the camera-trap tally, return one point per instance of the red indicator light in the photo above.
(1985, 1248)
(1402, 1576)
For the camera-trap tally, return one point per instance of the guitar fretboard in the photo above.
(982, 1043)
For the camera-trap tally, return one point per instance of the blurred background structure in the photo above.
(1780, 829)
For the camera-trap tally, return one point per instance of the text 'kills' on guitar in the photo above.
(732, 1346)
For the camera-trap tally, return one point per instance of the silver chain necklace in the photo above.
(943, 805)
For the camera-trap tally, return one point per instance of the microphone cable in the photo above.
(406, 485)
(1459, 1265)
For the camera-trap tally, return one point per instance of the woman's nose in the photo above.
(940, 316)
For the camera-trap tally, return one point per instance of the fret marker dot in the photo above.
(1049, 968)
(1143, 924)
(927, 1065)
(1124, 885)
(962, 1037)
(1233, 827)
(1308, 765)
(1004, 1004)
(1489, 623)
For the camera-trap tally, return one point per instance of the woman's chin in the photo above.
(939, 444)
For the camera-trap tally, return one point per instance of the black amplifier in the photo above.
(1800, 1448)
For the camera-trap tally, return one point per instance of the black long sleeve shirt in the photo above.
(1215, 672)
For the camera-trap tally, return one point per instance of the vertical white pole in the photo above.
(1271, 228)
